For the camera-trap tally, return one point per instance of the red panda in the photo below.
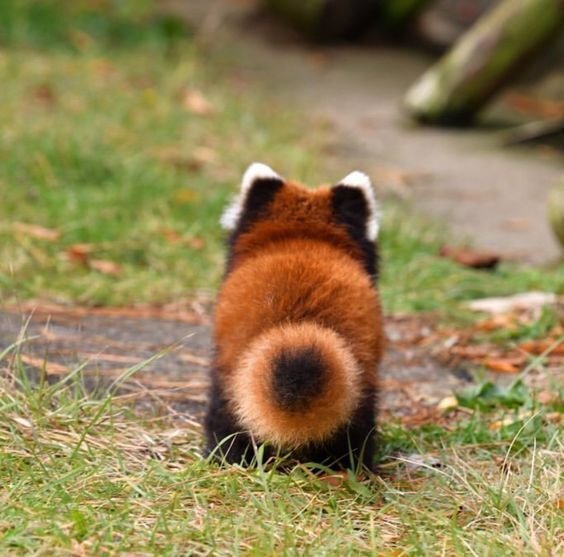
(297, 327)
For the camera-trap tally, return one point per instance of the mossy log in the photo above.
(326, 19)
(453, 90)
(556, 212)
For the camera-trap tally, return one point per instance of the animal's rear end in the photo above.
(298, 325)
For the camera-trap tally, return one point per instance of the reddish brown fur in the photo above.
(252, 396)
(296, 266)
(295, 213)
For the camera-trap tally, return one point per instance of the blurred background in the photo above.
(125, 127)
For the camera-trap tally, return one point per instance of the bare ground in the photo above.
(108, 341)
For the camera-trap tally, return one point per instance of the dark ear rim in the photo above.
(361, 182)
(350, 210)
(256, 173)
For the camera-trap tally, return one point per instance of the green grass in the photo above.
(96, 143)
(415, 278)
(80, 474)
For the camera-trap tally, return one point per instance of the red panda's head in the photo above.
(269, 208)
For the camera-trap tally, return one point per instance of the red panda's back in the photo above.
(298, 332)
(298, 281)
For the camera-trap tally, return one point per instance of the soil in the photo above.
(491, 195)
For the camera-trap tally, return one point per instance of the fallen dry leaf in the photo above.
(472, 351)
(79, 253)
(44, 94)
(503, 365)
(36, 231)
(498, 424)
(105, 267)
(554, 417)
(171, 235)
(421, 415)
(195, 242)
(503, 321)
(195, 102)
(471, 258)
(540, 346)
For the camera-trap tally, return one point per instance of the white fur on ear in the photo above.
(256, 171)
(362, 182)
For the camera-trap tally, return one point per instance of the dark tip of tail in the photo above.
(298, 376)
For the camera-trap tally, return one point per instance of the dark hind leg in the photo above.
(353, 446)
(224, 438)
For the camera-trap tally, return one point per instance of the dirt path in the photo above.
(494, 196)
(110, 341)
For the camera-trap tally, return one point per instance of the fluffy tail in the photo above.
(296, 384)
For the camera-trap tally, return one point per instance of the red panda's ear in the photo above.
(259, 185)
(354, 204)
